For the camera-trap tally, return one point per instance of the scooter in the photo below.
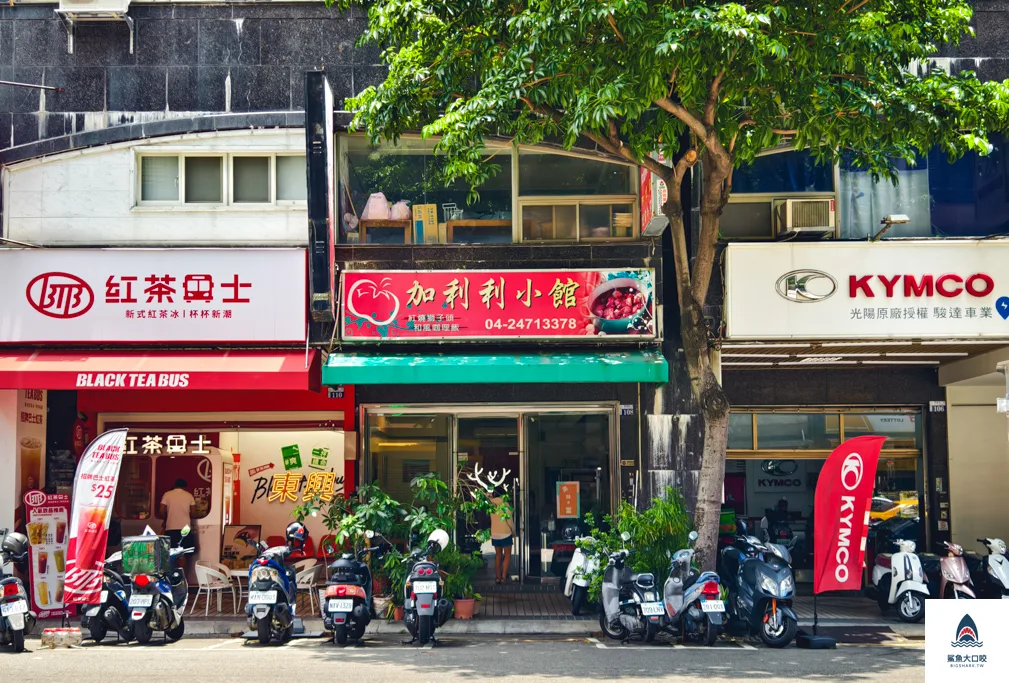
(899, 579)
(631, 604)
(584, 564)
(349, 592)
(991, 574)
(424, 607)
(113, 610)
(761, 589)
(693, 601)
(272, 595)
(954, 574)
(16, 618)
(158, 601)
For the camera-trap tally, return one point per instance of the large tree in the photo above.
(706, 84)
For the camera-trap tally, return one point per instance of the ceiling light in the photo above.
(764, 346)
(900, 362)
(833, 360)
(834, 355)
(931, 354)
(744, 363)
(756, 355)
(868, 343)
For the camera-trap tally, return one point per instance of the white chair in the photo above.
(213, 578)
(306, 578)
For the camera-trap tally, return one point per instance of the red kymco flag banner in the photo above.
(843, 498)
(94, 492)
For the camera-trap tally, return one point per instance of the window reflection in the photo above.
(795, 431)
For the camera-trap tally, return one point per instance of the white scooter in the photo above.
(900, 580)
(993, 579)
(582, 567)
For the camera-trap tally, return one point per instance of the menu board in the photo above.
(47, 520)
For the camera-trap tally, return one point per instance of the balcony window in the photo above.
(240, 181)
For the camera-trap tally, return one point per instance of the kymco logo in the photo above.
(851, 471)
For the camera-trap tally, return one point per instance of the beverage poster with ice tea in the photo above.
(94, 492)
(47, 517)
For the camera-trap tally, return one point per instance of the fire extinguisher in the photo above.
(81, 434)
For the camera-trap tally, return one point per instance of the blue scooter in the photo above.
(158, 601)
(272, 592)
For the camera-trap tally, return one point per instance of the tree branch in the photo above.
(711, 103)
(613, 24)
(680, 112)
(857, 7)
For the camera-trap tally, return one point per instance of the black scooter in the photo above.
(16, 617)
(349, 591)
(113, 612)
(425, 607)
(761, 589)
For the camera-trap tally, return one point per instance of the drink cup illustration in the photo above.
(91, 537)
(60, 558)
(37, 532)
(61, 532)
(43, 562)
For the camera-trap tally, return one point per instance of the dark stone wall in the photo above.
(187, 58)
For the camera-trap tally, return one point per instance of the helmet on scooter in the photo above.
(296, 534)
(439, 536)
(16, 545)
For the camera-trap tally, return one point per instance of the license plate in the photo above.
(341, 605)
(262, 597)
(19, 607)
(652, 609)
(105, 596)
(712, 606)
(425, 587)
(141, 600)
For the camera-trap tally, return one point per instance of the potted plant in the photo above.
(459, 569)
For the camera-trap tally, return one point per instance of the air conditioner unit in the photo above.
(812, 218)
(111, 9)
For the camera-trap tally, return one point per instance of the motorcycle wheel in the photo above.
(263, 631)
(425, 629)
(340, 634)
(357, 632)
(142, 631)
(288, 634)
(616, 632)
(98, 629)
(781, 637)
(651, 630)
(883, 594)
(710, 633)
(578, 597)
(912, 608)
(176, 633)
(18, 641)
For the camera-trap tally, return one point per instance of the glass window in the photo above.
(543, 173)
(252, 179)
(133, 495)
(159, 179)
(411, 171)
(601, 221)
(292, 179)
(798, 431)
(741, 431)
(549, 222)
(203, 179)
(902, 430)
(784, 172)
(403, 447)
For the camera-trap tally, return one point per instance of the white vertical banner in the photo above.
(94, 493)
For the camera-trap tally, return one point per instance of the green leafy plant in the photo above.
(659, 529)
(459, 568)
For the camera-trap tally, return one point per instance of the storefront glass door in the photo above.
(567, 477)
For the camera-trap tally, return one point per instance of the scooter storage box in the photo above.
(146, 555)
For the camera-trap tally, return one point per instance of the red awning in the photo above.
(232, 370)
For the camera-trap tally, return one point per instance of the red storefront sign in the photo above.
(429, 305)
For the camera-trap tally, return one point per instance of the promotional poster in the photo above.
(47, 517)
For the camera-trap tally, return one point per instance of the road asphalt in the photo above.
(383, 659)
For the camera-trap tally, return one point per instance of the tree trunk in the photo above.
(707, 513)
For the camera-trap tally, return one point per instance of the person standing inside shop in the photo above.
(177, 510)
(502, 534)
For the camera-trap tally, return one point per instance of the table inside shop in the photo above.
(239, 575)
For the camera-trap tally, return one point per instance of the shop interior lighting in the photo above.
(833, 360)
(746, 363)
(757, 347)
(839, 355)
(930, 354)
(867, 343)
(901, 362)
(756, 355)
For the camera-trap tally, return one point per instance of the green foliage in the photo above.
(659, 529)
(459, 568)
(635, 75)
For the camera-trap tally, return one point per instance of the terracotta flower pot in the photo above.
(397, 613)
(464, 608)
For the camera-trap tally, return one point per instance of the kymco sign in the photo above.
(152, 295)
(865, 290)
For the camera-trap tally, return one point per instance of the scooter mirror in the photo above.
(692, 537)
(625, 537)
(369, 534)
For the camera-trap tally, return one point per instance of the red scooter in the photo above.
(954, 574)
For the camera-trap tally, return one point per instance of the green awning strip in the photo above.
(546, 368)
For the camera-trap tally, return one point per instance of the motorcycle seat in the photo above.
(883, 560)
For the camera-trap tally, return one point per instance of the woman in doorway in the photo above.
(502, 535)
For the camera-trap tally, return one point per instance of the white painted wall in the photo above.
(88, 198)
(978, 465)
(9, 462)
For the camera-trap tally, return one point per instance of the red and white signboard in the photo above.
(47, 516)
(867, 290)
(842, 504)
(152, 295)
(94, 492)
(399, 305)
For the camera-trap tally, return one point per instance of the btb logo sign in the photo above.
(851, 471)
(60, 295)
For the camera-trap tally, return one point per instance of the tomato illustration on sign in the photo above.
(378, 306)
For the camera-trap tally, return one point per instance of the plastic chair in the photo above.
(274, 541)
(306, 578)
(213, 578)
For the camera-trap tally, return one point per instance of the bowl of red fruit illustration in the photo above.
(617, 304)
